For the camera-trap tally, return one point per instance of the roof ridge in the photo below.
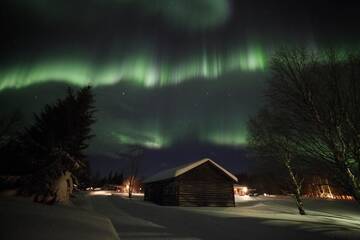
(179, 170)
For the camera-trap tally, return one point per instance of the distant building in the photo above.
(201, 183)
(321, 187)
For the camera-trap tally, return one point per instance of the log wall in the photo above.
(205, 185)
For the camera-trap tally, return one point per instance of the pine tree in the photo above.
(55, 143)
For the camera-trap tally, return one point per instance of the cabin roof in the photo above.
(177, 171)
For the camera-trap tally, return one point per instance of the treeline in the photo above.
(116, 178)
(310, 123)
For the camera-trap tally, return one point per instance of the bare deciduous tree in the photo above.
(133, 156)
(269, 138)
(318, 97)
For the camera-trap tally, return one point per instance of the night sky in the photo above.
(179, 77)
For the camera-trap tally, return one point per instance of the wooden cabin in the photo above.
(200, 183)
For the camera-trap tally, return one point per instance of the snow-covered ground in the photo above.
(23, 219)
(262, 217)
(108, 215)
(332, 218)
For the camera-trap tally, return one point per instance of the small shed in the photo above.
(200, 183)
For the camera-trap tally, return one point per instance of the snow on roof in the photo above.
(177, 171)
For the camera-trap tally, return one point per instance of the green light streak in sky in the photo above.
(146, 71)
(141, 68)
(227, 138)
(73, 71)
(150, 140)
(156, 141)
(157, 137)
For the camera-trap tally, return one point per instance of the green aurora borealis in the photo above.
(165, 72)
(141, 68)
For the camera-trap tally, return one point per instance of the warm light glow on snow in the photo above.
(100, 193)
